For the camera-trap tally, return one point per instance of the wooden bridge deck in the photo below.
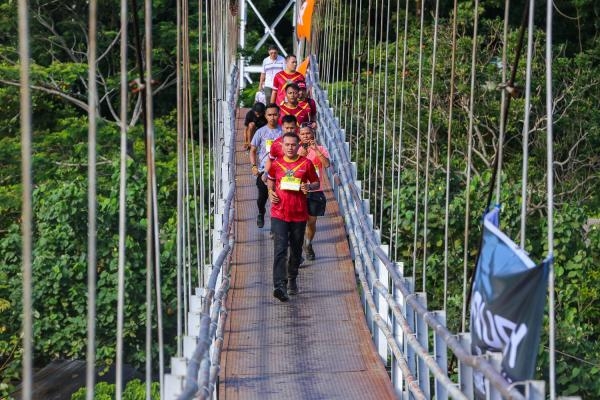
(317, 345)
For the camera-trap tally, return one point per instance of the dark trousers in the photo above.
(263, 194)
(286, 234)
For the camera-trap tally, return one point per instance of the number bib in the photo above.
(290, 183)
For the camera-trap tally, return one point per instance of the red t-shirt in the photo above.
(276, 148)
(281, 79)
(292, 205)
(313, 107)
(301, 112)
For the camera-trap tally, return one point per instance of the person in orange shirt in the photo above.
(316, 200)
(291, 177)
(288, 75)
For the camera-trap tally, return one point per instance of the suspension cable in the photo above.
(26, 212)
(346, 61)
(417, 148)
(179, 238)
(469, 157)
(92, 231)
(202, 249)
(527, 105)
(364, 177)
(503, 101)
(122, 205)
(371, 194)
(385, 98)
(401, 122)
(353, 78)
(429, 139)
(449, 152)
(550, 196)
(392, 239)
(358, 82)
(152, 238)
(378, 120)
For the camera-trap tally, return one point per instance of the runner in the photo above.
(290, 179)
(316, 198)
(261, 142)
(284, 77)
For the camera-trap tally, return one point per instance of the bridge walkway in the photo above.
(317, 345)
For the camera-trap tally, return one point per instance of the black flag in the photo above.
(507, 304)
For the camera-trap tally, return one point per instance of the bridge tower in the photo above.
(269, 32)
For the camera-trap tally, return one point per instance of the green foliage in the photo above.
(389, 179)
(135, 390)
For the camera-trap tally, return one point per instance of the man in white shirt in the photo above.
(270, 67)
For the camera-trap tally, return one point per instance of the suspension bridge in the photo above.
(362, 325)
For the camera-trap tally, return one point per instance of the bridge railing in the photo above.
(397, 315)
(194, 375)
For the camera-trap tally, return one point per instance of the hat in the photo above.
(301, 85)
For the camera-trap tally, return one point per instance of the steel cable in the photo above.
(550, 205)
(449, 152)
(401, 122)
(429, 139)
(92, 202)
(525, 131)
(468, 166)
(122, 204)
(27, 193)
(385, 101)
(418, 145)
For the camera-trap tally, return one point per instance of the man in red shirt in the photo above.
(291, 177)
(291, 106)
(288, 75)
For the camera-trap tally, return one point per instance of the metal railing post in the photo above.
(465, 372)
(441, 355)
(397, 376)
(423, 336)
(382, 305)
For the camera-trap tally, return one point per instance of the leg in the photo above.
(311, 228)
(280, 231)
(268, 92)
(296, 239)
(261, 201)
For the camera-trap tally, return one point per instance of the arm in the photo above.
(253, 160)
(249, 132)
(321, 153)
(261, 82)
(273, 198)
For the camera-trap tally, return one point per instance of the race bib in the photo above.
(290, 183)
(268, 145)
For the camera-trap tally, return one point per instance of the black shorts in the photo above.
(316, 204)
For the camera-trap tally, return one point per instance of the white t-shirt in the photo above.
(271, 67)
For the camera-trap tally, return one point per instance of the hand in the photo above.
(273, 197)
(254, 170)
(312, 144)
(305, 187)
(302, 151)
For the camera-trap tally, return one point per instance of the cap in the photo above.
(302, 85)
